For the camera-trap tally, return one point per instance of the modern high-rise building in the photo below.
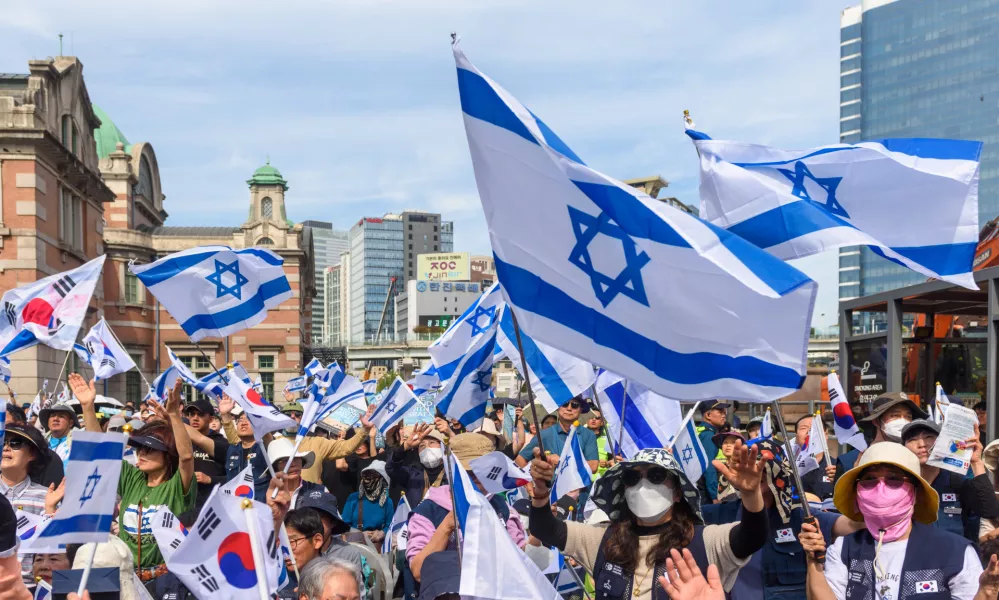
(918, 68)
(343, 325)
(328, 245)
(331, 312)
(424, 233)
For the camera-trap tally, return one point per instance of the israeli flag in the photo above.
(565, 583)
(688, 450)
(258, 384)
(604, 272)
(649, 419)
(914, 201)
(340, 389)
(556, 377)
(297, 384)
(425, 380)
(92, 474)
(492, 566)
(572, 472)
(5, 369)
(43, 591)
(211, 385)
(370, 387)
(238, 371)
(463, 356)
(399, 520)
(163, 383)
(313, 367)
(107, 357)
(263, 416)
(397, 400)
(215, 291)
(185, 373)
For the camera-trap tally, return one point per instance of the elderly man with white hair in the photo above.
(330, 579)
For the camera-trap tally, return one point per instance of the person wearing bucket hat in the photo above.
(279, 451)
(431, 524)
(653, 507)
(59, 421)
(898, 554)
(890, 413)
(369, 509)
(24, 460)
(964, 502)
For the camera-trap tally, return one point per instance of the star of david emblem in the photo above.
(688, 454)
(390, 406)
(828, 184)
(629, 281)
(489, 313)
(89, 487)
(483, 379)
(221, 289)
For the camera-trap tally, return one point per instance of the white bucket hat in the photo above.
(282, 447)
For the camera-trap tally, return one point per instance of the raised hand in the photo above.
(685, 581)
(226, 404)
(54, 496)
(288, 396)
(278, 497)
(173, 403)
(420, 431)
(84, 392)
(543, 472)
(158, 410)
(366, 417)
(743, 470)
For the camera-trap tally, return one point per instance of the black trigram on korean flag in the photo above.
(167, 520)
(64, 285)
(205, 578)
(22, 522)
(494, 473)
(208, 523)
(10, 312)
(107, 361)
(175, 543)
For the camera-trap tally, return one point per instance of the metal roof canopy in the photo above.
(934, 298)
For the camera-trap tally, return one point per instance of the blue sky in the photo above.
(355, 101)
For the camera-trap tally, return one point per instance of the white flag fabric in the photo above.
(767, 426)
(331, 389)
(241, 485)
(914, 201)
(211, 385)
(107, 357)
(464, 358)
(5, 373)
(370, 387)
(690, 453)
(844, 425)
(215, 560)
(649, 419)
(215, 291)
(264, 417)
(497, 473)
(27, 527)
(399, 520)
(807, 459)
(258, 384)
(602, 271)
(572, 472)
(397, 400)
(297, 384)
(313, 367)
(940, 405)
(492, 566)
(49, 311)
(426, 380)
(43, 591)
(556, 377)
(164, 382)
(185, 373)
(168, 531)
(92, 474)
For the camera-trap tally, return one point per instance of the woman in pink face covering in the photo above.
(900, 554)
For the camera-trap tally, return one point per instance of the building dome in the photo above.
(267, 175)
(107, 136)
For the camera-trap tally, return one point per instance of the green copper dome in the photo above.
(267, 175)
(107, 136)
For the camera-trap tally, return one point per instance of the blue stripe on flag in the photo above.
(241, 312)
(634, 423)
(638, 220)
(775, 163)
(90, 451)
(78, 523)
(528, 291)
(698, 454)
(472, 363)
(787, 222)
(934, 148)
(554, 140)
(943, 259)
(265, 255)
(697, 135)
(479, 100)
(172, 267)
(536, 360)
(405, 408)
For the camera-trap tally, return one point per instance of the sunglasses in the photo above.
(574, 405)
(893, 482)
(655, 475)
(14, 443)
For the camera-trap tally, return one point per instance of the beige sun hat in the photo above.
(489, 428)
(990, 456)
(886, 453)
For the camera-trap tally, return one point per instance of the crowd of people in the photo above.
(642, 530)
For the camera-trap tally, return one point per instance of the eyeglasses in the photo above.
(574, 405)
(293, 542)
(892, 481)
(14, 443)
(655, 475)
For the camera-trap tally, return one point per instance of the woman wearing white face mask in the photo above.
(418, 464)
(653, 508)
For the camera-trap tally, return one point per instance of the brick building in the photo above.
(74, 188)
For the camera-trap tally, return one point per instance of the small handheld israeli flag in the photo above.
(211, 385)
(370, 387)
(258, 384)
(689, 452)
(92, 474)
(313, 368)
(397, 400)
(215, 291)
(43, 591)
(164, 382)
(107, 357)
(5, 369)
(425, 380)
(572, 472)
(297, 384)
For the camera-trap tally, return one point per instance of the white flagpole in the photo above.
(86, 572)
(683, 424)
(291, 555)
(822, 438)
(258, 554)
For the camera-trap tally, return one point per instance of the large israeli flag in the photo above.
(606, 273)
(215, 291)
(556, 377)
(649, 419)
(914, 201)
(464, 358)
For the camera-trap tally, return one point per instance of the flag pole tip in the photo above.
(247, 503)
(576, 422)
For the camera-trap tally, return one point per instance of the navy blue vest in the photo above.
(614, 582)
(952, 516)
(234, 463)
(931, 556)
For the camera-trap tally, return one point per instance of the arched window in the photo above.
(267, 208)
(145, 186)
(265, 242)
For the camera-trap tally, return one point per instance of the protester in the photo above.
(547, 422)
(333, 526)
(305, 535)
(489, 429)
(163, 476)
(247, 452)
(890, 413)
(653, 508)
(441, 576)
(11, 583)
(886, 491)
(293, 409)
(278, 452)
(330, 579)
(817, 481)
(59, 421)
(210, 448)
(332, 450)
(753, 428)
(554, 438)
(982, 412)
(431, 524)
(23, 459)
(726, 442)
(605, 456)
(369, 509)
(342, 476)
(714, 416)
(429, 469)
(43, 563)
(963, 502)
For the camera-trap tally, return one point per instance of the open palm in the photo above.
(686, 582)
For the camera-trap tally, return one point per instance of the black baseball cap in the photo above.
(148, 441)
(910, 430)
(706, 406)
(201, 405)
(325, 502)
